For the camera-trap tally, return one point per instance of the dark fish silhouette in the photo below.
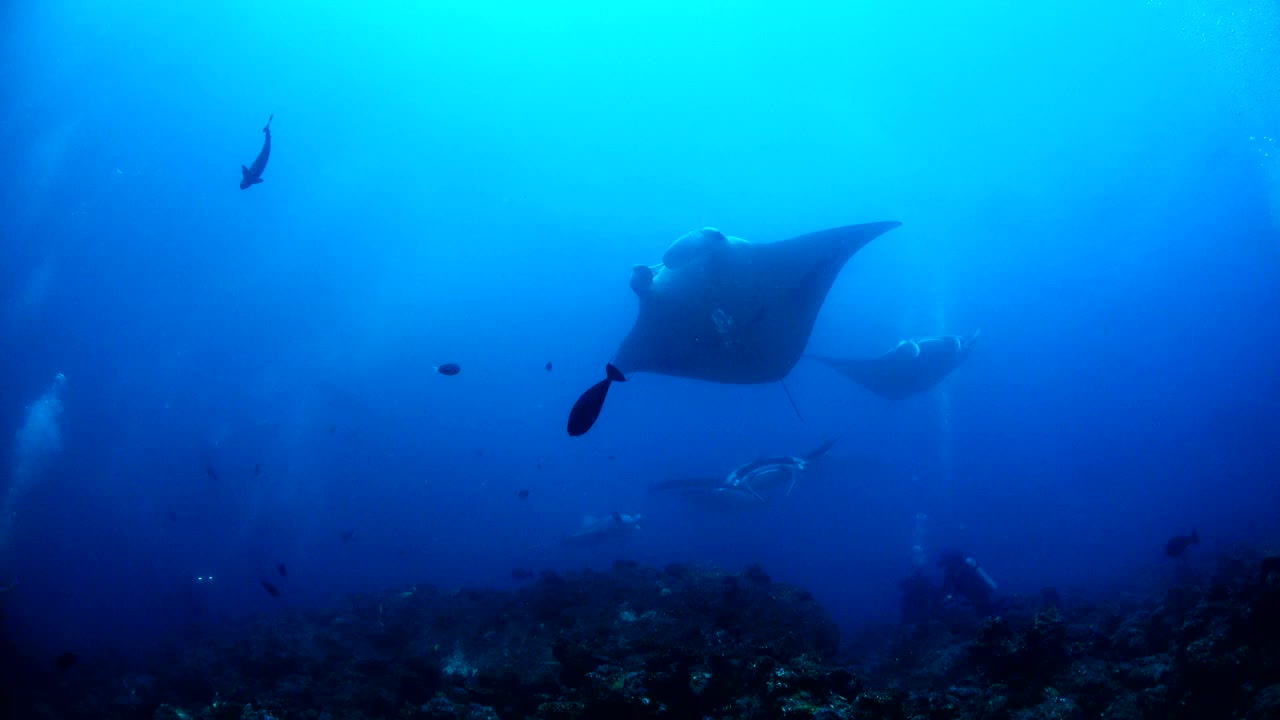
(587, 408)
(539, 466)
(547, 367)
(252, 175)
(284, 572)
(523, 494)
(271, 589)
(448, 369)
(347, 535)
(173, 516)
(213, 474)
(64, 661)
(257, 470)
(521, 574)
(1179, 544)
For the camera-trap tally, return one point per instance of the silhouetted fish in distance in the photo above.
(522, 494)
(213, 474)
(448, 369)
(1179, 544)
(252, 175)
(347, 535)
(547, 367)
(64, 661)
(271, 589)
(284, 572)
(257, 470)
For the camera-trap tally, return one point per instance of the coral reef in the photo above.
(696, 642)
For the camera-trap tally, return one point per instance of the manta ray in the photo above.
(910, 368)
(746, 484)
(725, 310)
(613, 527)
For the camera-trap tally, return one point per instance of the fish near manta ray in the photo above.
(252, 175)
(725, 310)
(746, 483)
(912, 367)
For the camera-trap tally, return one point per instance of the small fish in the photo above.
(521, 574)
(1179, 544)
(539, 466)
(347, 535)
(64, 661)
(271, 589)
(523, 494)
(612, 457)
(284, 572)
(547, 367)
(257, 470)
(173, 516)
(252, 175)
(448, 369)
(213, 474)
(333, 429)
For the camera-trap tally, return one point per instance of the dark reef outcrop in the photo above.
(695, 642)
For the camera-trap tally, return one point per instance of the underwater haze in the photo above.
(201, 383)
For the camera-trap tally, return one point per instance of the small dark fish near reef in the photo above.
(448, 369)
(284, 572)
(547, 367)
(64, 661)
(1179, 544)
(522, 494)
(271, 589)
(252, 175)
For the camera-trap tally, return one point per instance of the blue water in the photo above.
(1093, 184)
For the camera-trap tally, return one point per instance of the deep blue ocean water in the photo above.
(249, 374)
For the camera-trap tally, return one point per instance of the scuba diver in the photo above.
(921, 598)
(962, 576)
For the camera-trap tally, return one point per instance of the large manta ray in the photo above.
(912, 367)
(726, 310)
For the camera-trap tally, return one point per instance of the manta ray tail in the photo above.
(587, 408)
(790, 399)
(267, 128)
(819, 451)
